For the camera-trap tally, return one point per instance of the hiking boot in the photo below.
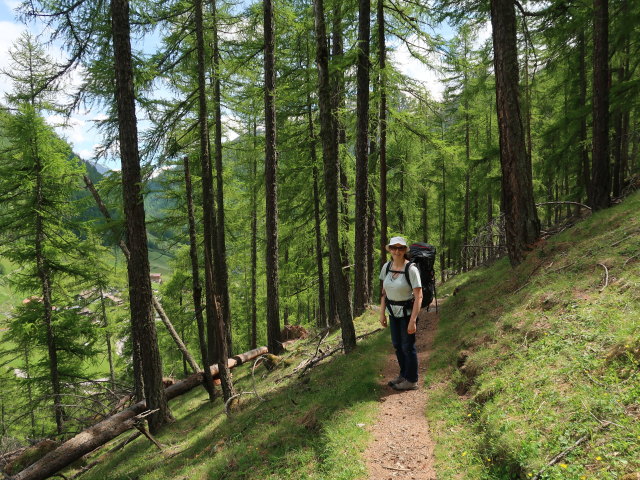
(405, 385)
(395, 381)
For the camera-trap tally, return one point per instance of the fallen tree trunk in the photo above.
(109, 428)
(156, 304)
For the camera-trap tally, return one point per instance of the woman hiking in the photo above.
(402, 298)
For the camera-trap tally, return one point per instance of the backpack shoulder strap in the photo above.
(388, 267)
(406, 274)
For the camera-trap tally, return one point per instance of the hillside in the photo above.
(539, 365)
(533, 374)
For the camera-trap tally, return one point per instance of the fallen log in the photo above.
(109, 428)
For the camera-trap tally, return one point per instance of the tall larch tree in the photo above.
(382, 127)
(140, 301)
(222, 270)
(600, 171)
(360, 290)
(271, 181)
(213, 298)
(521, 219)
(330, 159)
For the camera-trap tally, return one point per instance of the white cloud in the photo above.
(73, 129)
(12, 4)
(418, 70)
(85, 154)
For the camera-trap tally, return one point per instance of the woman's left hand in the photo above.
(411, 328)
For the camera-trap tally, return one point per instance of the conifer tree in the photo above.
(140, 294)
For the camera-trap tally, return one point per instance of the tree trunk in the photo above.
(584, 173)
(105, 322)
(330, 158)
(195, 281)
(140, 293)
(600, 174)
(360, 286)
(254, 239)
(213, 306)
(271, 181)
(371, 226)
(322, 314)
(45, 286)
(221, 245)
(382, 125)
(425, 216)
(521, 218)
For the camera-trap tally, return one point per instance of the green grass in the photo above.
(311, 427)
(530, 360)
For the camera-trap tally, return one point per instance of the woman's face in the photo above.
(397, 250)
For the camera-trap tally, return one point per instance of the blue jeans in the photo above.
(405, 346)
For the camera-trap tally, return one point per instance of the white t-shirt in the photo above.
(398, 289)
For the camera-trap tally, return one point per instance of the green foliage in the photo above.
(529, 361)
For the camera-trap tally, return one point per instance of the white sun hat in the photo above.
(397, 241)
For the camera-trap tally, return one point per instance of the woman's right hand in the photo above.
(383, 320)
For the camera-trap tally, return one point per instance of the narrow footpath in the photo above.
(402, 447)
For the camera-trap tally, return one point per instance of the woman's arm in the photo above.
(417, 305)
(383, 306)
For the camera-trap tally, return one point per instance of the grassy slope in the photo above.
(531, 360)
(307, 428)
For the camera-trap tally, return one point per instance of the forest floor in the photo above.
(402, 446)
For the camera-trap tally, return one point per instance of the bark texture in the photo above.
(521, 218)
(382, 125)
(222, 270)
(195, 280)
(330, 159)
(360, 287)
(213, 308)
(600, 171)
(271, 181)
(140, 293)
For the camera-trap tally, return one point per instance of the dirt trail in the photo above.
(402, 447)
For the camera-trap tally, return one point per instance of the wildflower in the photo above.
(563, 465)
(598, 458)
(464, 454)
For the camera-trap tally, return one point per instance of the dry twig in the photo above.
(632, 234)
(629, 259)
(606, 281)
(566, 452)
(397, 469)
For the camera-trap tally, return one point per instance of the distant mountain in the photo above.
(101, 168)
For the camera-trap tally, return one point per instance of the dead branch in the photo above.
(606, 281)
(564, 453)
(253, 376)
(632, 234)
(630, 258)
